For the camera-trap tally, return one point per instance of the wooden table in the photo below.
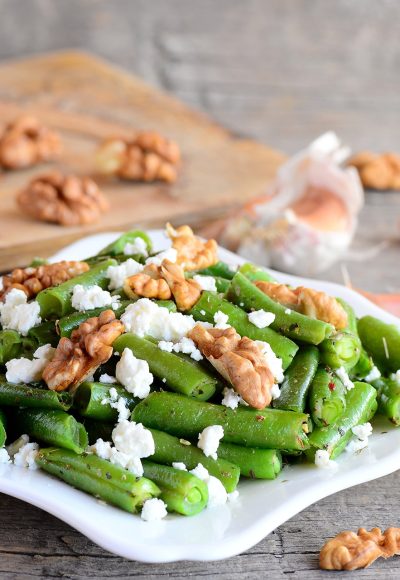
(283, 72)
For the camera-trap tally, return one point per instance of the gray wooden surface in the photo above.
(282, 71)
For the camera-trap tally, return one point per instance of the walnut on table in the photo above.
(239, 360)
(193, 252)
(350, 551)
(147, 157)
(34, 280)
(25, 142)
(307, 301)
(377, 171)
(66, 200)
(79, 356)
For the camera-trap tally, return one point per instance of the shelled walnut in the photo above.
(34, 280)
(193, 252)
(66, 200)
(147, 157)
(377, 171)
(79, 356)
(25, 142)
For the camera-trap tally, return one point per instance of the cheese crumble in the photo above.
(134, 374)
(261, 318)
(16, 313)
(209, 440)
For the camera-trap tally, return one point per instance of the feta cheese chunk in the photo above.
(187, 346)
(105, 450)
(344, 377)
(374, 374)
(396, 376)
(322, 459)
(275, 392)
(261, 318)
(179, 465)
(134, 374)
(360, 439)
(117, 274)
(221, 320)
(171, 254)
(145, 317)
(231, 398)
(216, 492)
(206, 282)
(209, 440)
(133, 439)
(107, 379)
(117, 403)
(16, 313)
(274, 363)
(87, 298)
(24, 370)
(138, 247)
(153, 510)
(26, 456)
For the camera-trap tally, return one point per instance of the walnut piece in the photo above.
(66, 200)
(239, 360)
(148, 284)
(193, 252)
(186, 292)
(147, 157)
(25, 142)
(377, 171)
(350, 551)
(34, 280)
(307, 301)
(79, 356)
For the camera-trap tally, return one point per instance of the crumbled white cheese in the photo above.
(209, 440)
(322, 459)
(138, 247)
(360, 439)
(134, 374)
(117, 274)
(24, 370)
(216, 492)
(4, 457)
(133, 439)
(86, 298)
(344, 377)
(203, 312)
(261, 318)
(221, 320)
(107, 379)
(274, 363)
(396, 376)
(18, 314)
(104, 450)
(153, 510)
(374, 373)
(187, 346)
(206, 282)
(166, 345)
(288, 311)
(179, 465)
(117, 403)
(171, 254)
(231, 398)
(26, 456)
(275, 392)
(145, 317)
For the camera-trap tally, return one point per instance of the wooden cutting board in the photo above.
(86, 100)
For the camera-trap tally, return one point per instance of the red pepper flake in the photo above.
(260, 418)
(332, 386)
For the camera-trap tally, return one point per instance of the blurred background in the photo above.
(280, 72)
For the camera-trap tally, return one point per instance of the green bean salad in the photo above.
(154, 381)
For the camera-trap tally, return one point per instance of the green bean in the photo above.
(183, 492)
(3, 434)
(327, 398)
(89, 396)
(11, 345)
(364, 366)
(68, 323)
(294, 325)
(343, 348)
(98, 477)
(56, 301)
(253, 273)
(53, 427)
(382, 341)
(181, 374)
(360, 407)
(187, 417)
(220, 269)
(45, 333)
(170, 449)
(388, 398)
(298, 378)
(117, 247)
(210, 303)
(28, 396)
(254, 463)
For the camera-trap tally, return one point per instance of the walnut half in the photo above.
(68, 200)
(239, 360)
(79, 356)
(193, 252)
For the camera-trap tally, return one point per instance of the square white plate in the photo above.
(226, 530)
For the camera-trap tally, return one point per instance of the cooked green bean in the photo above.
(187, 417)
(388, 398)
(252, 462)
(89, 396)
(117, 247)
(343, 348)
(183, 492)
(327, 398)
(3, 434)
(382, 341)
(28, 396)
(253, 273)
(360, 407)
(53, 427)
(294, 325)
(298, 378)
(220, 269)
(56, 301)
(210, 303)
(98, 477)
(181, 374)
(11, 345)
(364, 365)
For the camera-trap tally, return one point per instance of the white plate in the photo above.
(227, 530)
